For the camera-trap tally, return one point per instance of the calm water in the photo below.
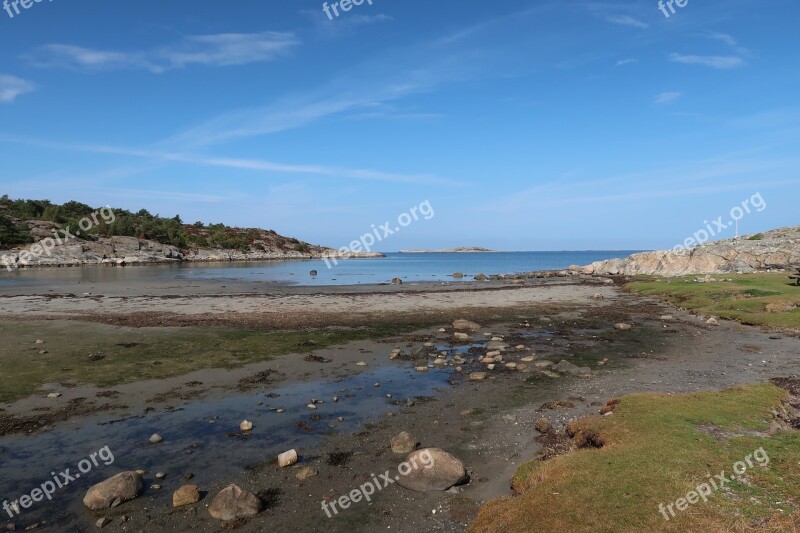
(408, 267)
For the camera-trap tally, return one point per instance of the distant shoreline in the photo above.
(451, 251)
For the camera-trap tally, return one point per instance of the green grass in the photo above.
(760, 299)
(134, 354)
(656, 452)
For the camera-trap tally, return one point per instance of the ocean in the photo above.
(414, 267)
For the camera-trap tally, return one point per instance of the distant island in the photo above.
(462, 250)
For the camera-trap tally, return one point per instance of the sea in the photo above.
(409, 267)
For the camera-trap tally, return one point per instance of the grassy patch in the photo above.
(657, 449)
(134, 354)
(761, 299)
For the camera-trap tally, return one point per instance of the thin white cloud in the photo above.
(11, 87)
(240, 164)
(718, 62)
(218, 50)
(667, 97)
(724, 37)
(628, 61)
(627, 20)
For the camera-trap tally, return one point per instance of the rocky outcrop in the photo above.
(127, 251)
(775, 250)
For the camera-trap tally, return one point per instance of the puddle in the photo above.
(201, 438)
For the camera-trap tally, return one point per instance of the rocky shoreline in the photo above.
(774, 251)
(130, 251)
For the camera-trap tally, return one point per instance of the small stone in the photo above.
(114, 491)
(160, 475)
(311, 406)
(460, 336)
(335, 399)
(490, 367)
(279, 411)
(39, 341)
(403, 443)
(287, 458)
(186, 495)
(622, 326)
(598, 296)
(529, 359)
(340, 419)
(442, 330)
(465, 325)
(543, 425)
(376, 385)
(361, 363)
(54, 395)
(712, 321)
(477, 376)
(246, 426)
(667, 318)
(520, 347)
(155, 486)
(156, 438)
(421, 368)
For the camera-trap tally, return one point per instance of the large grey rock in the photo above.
(113, 491)
(233, 503)
(776, 249)
(565, 367)
(436, 470)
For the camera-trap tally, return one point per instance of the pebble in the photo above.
(311, 406)
(279, 411)
(361, 363)
(54, 395)
(160, 475)
(156, 438)
(246, 426)
(287, 458)
(421, 368)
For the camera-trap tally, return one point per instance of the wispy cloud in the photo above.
(12, 86)
(718, 62)
(627, 20)
(259, 165)
(667, 97)
(628, 61)
(219, 50)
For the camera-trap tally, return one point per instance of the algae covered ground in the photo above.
(654, 450)
(765, 299)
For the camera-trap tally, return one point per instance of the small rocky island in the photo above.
(462, 250)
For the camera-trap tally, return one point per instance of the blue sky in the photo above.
(526, 125)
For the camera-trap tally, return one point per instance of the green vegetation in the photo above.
(12, 233)
(756, 237)
(135, 354)
(141, 224)
(769, 299)
(657, 448)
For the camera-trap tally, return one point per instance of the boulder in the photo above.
(465, 325)
(234, 503)
(436, 470)
(565, 367)
(114, 491)
(186, 495)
